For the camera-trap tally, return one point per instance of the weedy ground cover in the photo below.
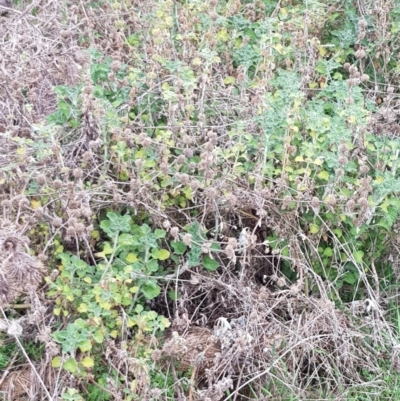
(200, 200)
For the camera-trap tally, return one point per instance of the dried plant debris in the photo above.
(300, 340)
(20, 272)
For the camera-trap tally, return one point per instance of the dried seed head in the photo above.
(39, 211)
(353, 70)
(362, 23)
(339, 172)
(350, 205)
(57, 222)
(57, 184)
(77, 173)
(343, 149)
(210, 192)
(174, 231)
(194, 185)
(80, 228)
(181, 159)
(86, 212)
(363, 202)
(187, 139)
(331, 201)
(315, 202)
(232, 241)
(6, 203)
(115, 65)
(231, 199)
(70, 231)
(41, 179)
(156, 355)
(230, 252)
(23, 202)
(187, 239)
(188, 152)
(206, 247)
(360, 53)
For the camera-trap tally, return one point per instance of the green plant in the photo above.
(111, 294)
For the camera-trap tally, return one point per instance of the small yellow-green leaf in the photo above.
(196, 61)
(223, 35)
(322, 51)
(107, 250)
(95, 234)
(56, 362)
(83, 308)
(299, 159)
(314, 228)
(318, 162)
(131, 258)
(35, 204)
(163, 254)
(229, 80)
(323, 175)
(87, 280)
(87, 362)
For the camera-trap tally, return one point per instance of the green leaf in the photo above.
(350, 278)
(85, 345)
(314, 228)
(139, 308)
(71, 365)
(127, 239)
(179, 247)
(159, 234)
(163, 322)
(174, 295)
(328, 252)
(118, 223)
(150, 289)
(358, 256)
(152, 266)
(98, 337)
(338, 232)
(209, 263)
(194, 256)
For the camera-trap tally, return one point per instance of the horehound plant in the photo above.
(205, 119)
